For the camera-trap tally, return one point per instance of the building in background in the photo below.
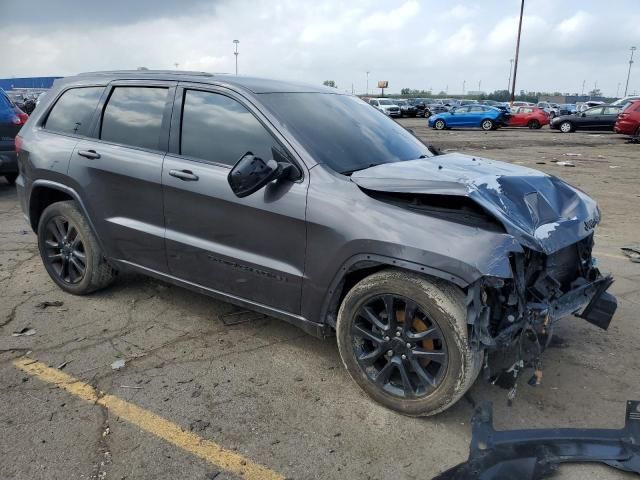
(39, 83)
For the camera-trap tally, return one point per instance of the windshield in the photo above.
(385, 102)
(342, 131)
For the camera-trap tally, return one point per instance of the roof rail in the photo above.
(138, 72)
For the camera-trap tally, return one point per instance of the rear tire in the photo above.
(11, 178)
(487, 124)
(70, 252)
(534, 124)
(440, 125)
(438, 308)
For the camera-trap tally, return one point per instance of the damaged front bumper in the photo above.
(519, 314)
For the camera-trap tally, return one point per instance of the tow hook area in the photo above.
(536, 454)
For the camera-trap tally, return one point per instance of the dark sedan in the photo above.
(406, 109)
(602, 117)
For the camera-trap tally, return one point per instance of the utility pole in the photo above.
(510, 70)
(236, 54)
(515, 65)
(618, 90)
(582, 92)
(633, 49)
(464, 83)
(368, 83)
(479, 85)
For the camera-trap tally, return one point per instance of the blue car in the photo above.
(470, 116)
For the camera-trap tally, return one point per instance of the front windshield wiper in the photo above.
(349, 172)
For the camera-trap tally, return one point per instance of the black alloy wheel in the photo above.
(64, 250)
(399, 347)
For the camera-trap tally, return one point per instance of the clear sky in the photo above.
(411, 43)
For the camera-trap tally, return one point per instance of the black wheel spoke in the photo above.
(391, 313)
(370, 316)
(410, 309)
(372, 357)
(51, 243)
(77, 265)
(53, 229)
(361, 332)
(59, 225)
(429, 334)
(438, 357)
(383, 375)
(406, 381)
(427, 380)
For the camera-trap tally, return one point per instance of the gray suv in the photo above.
(308, 205)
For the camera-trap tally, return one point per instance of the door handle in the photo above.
(90, 154)
(186, 175)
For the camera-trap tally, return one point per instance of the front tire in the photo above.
(417, 368)
(70, 252)
(487, 125)
(566, 127)
(534, 124)
(439, 125)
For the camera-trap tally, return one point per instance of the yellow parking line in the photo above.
(152, 423)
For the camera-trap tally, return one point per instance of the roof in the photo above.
(253, 84)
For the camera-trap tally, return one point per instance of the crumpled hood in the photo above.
(543, 212)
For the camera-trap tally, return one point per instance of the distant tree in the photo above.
(330, 83)
(442, 92)
(405, 91)
(595, 93)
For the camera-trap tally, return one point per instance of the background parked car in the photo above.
(567, 109)
(11, 120)
(583, 106)
(406, 109)
(522, 104)
(470, 116)
(628, 122)
(386, 106)
(532, 117)
(550, 108)
(596, 118)
(626, 100)
(420, 104)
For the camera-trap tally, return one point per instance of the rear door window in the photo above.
(73, 111)
(133, 116)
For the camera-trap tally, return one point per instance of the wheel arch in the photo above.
(46, 192)
(362, 265)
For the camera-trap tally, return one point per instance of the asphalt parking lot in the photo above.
(215, 392)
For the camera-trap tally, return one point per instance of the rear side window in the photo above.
(221, 130)
(73, 110)
(133, 116)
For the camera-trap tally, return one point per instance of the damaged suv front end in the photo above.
(551, 273)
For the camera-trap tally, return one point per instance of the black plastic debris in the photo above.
(536, 454)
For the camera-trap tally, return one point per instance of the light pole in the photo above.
(236, 54)
(582, 92)
(618, 90)
(515, 65)
(626, 87)
(510, 70)
(367, 92)
(464, 83)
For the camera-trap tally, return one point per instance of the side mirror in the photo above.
(251, 173)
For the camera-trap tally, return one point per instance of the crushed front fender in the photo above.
(535, 454)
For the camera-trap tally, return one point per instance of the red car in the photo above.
(628, 122)
(532, 117)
